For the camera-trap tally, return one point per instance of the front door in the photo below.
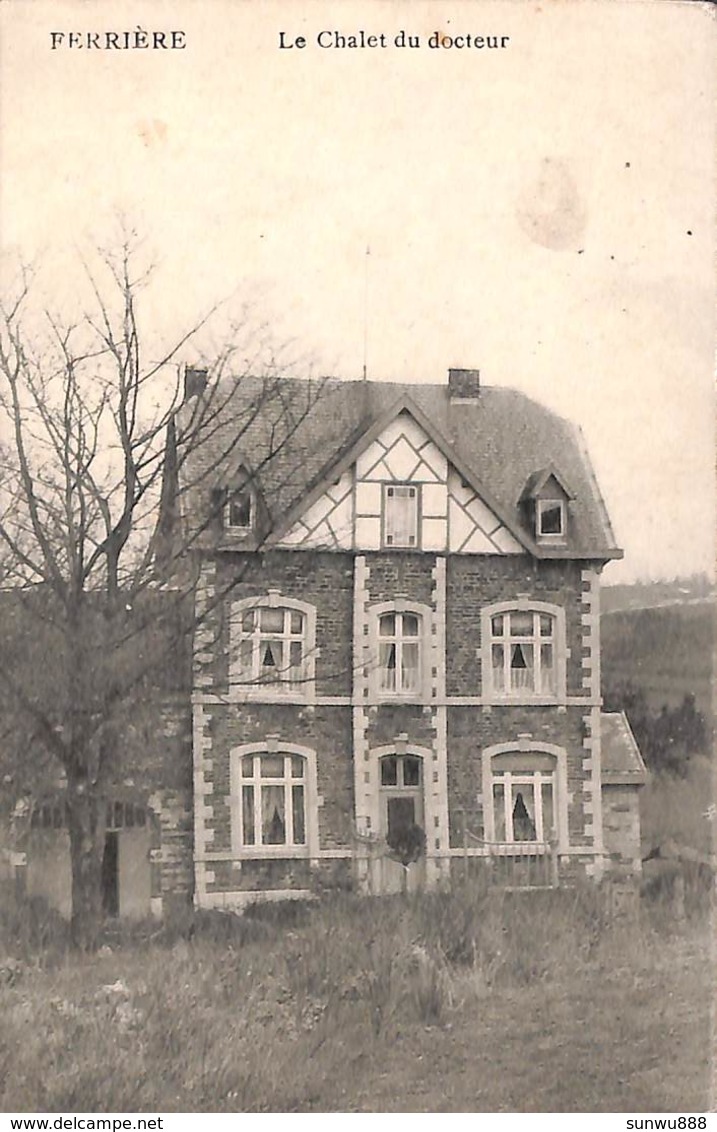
(401, 810)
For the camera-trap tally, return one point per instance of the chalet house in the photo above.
(398, 644)
(400, 628)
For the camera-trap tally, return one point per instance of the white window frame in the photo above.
(522, 783)
(542, 505)
(398, 644)
(397, 609)
(242, 528)
(530, 773)
(388, 537)
(247, 684)
(492, 692)
(273, 748)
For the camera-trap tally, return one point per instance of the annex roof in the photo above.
(622, 763)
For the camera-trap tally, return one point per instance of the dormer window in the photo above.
(400, 515)
(239, 511)
(544, 500)
(551, 518)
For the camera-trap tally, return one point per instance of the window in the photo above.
(523, 653)
(523, 797)
(399, 653)
(272, 647)
(401, 794)
(274, 801)
(551, 518)
(272, 810)
(118, 815)
(401, 771)
(272, 651)
(400, 515)
(239, 511)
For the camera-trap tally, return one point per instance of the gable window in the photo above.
(272, 648)
(551, 518)
(399, 653)
(273, 800)
(523, 797)
(400, 515)
(239, 510)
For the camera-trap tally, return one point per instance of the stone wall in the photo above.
(449, 721)
(621, 831)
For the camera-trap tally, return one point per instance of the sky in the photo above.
(543, 212)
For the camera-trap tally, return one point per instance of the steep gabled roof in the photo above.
(404, 404)
(496, 442)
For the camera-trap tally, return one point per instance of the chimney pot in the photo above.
(463, 384)
(195, 381)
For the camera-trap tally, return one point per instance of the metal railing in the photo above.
(513, 864)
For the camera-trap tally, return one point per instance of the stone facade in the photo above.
(445, 676)
(349, 725)
(405, 646)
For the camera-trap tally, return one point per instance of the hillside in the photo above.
(667, 650)
(650, 595)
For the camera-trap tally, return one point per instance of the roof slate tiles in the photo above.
(293, 433)
(622, 763)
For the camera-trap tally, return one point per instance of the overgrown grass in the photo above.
(681, 809)
(312, 1007)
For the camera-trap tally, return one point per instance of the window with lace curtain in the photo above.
(273, 651)
(523, 652)
(273, 800)
(524, 795)
(523, 803)
(399, 654)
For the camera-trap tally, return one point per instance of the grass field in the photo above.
(668, 651)
(680, 809)
(467, 1001)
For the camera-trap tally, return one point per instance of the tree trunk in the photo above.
(86, 820)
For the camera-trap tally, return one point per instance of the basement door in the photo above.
(400, 807)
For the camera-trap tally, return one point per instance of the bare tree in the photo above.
(96, 442)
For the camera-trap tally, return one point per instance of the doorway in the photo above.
(126, 887)
(401, 807)
(110, 874)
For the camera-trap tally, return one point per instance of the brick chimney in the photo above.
(463, 384)
(195, 382)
